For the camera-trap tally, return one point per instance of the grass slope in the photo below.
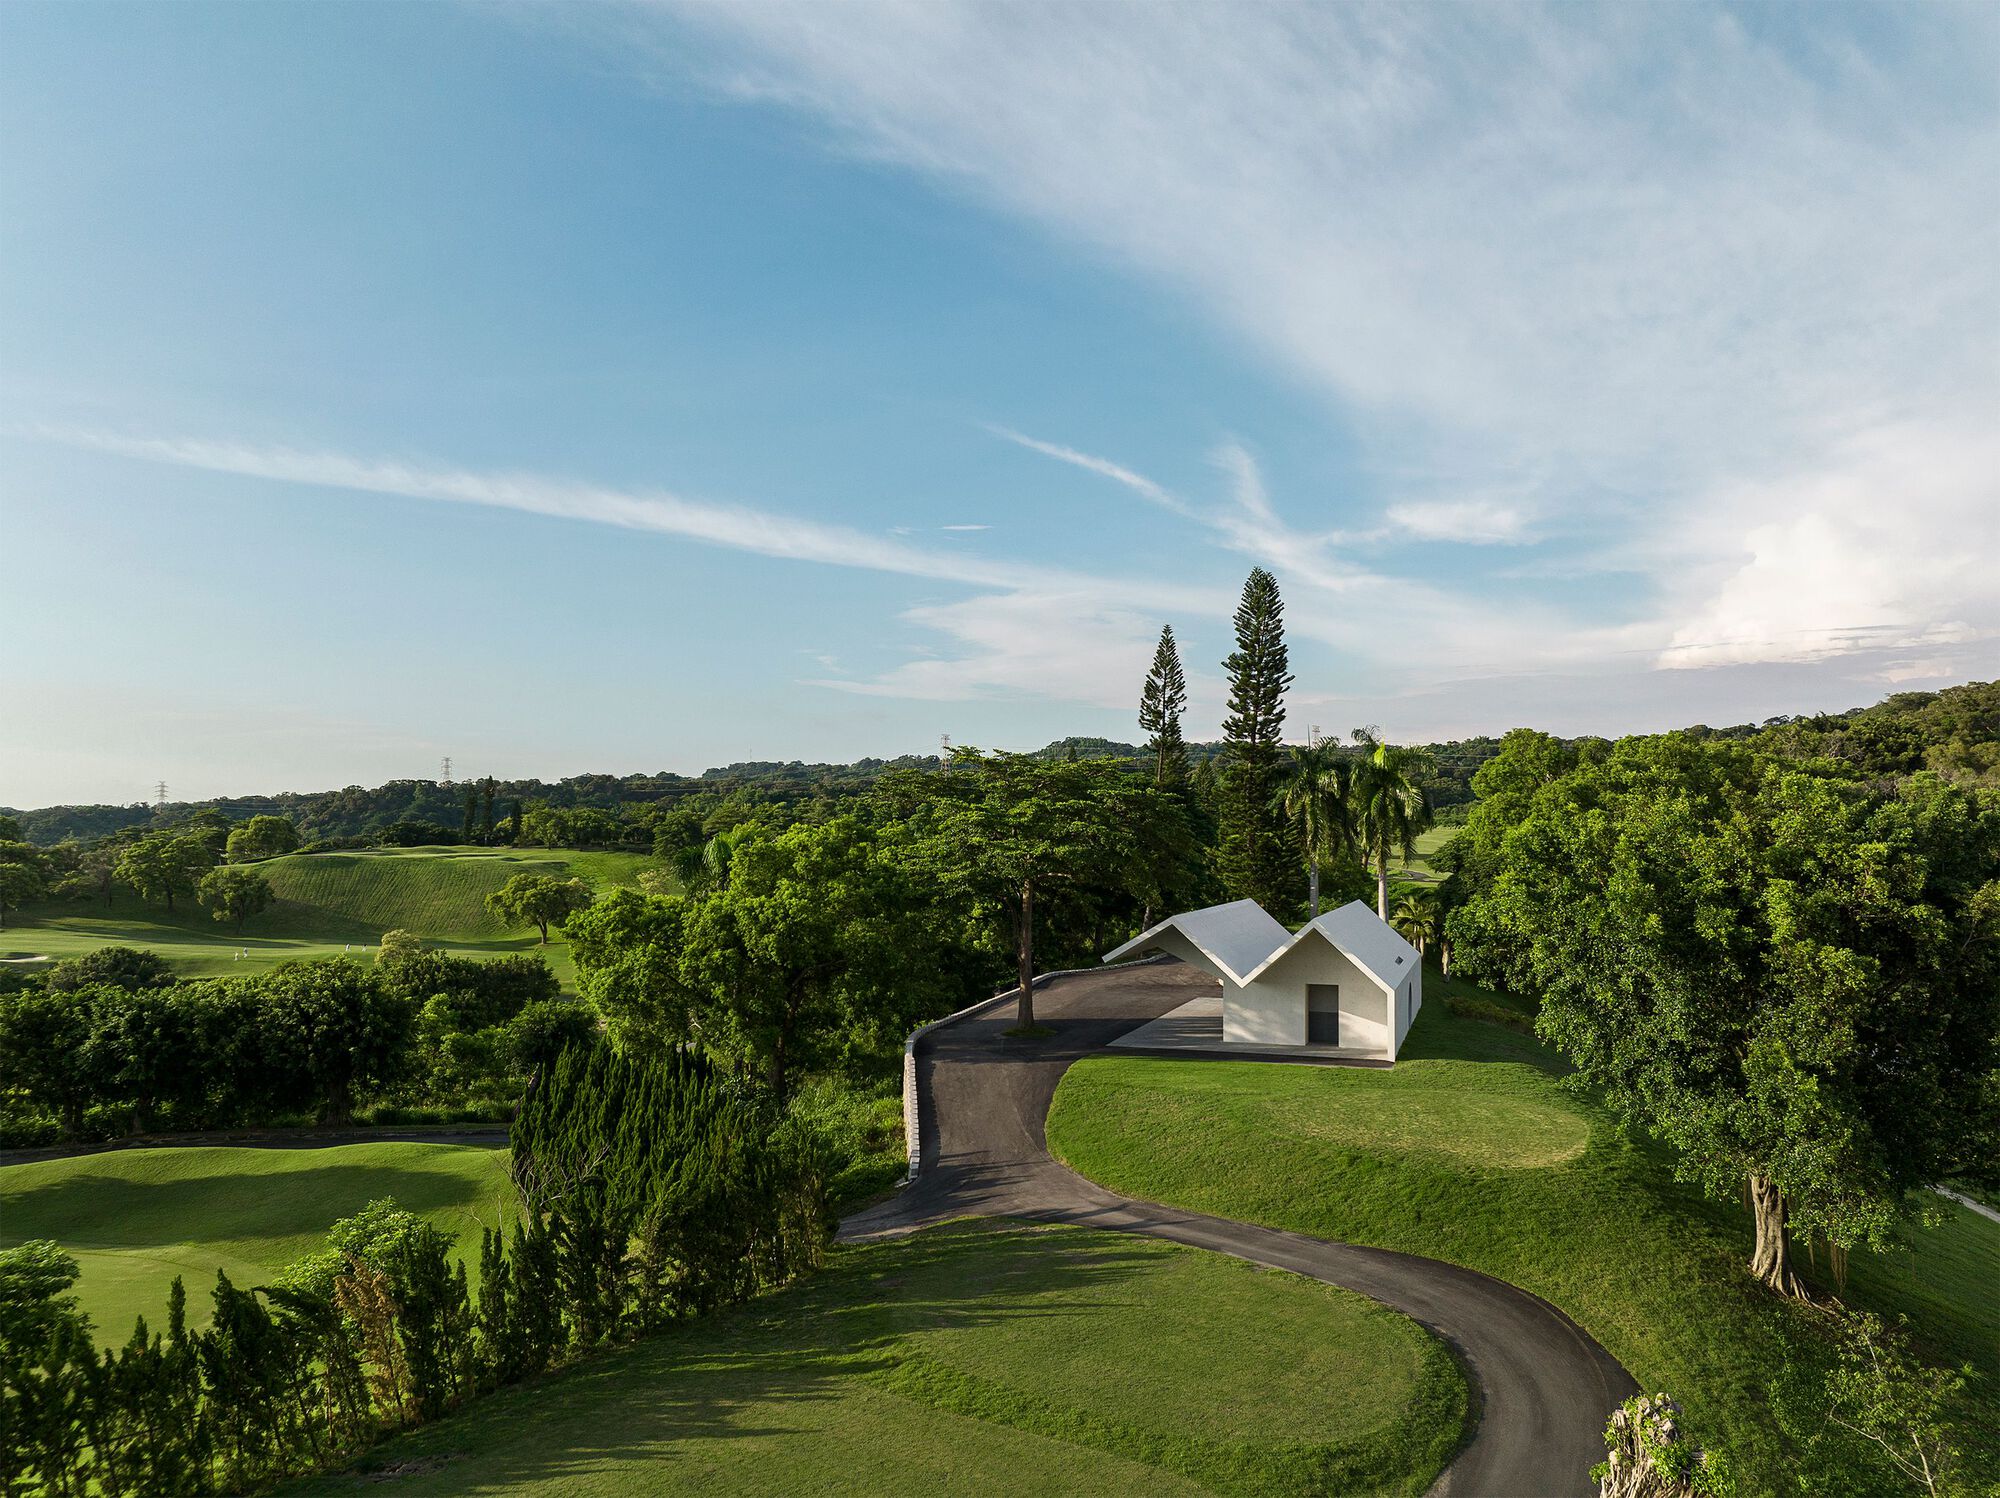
(329, 903)
(136, 1218)
(997, 1358)
(1468, 1150)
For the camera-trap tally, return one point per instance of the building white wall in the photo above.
(1272, 1011)
(1411, 994)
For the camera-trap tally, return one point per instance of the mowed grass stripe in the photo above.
(135, 1219)
(992, 1357)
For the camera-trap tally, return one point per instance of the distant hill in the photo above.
(1956, 730)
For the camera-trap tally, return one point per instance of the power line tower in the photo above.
(444, 771)
(944, 752)
(160, 794)
(1313, 736)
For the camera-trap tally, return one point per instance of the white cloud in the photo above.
(1477, 521)
(1564, 268)
(1851, 558)
(737, 527)
(1138, 483)
(1047, 645)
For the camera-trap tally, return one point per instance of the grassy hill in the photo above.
(329, 903)
(136, 1218)
(995, 1358)
(1470, 1150)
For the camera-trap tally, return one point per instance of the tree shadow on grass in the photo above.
(721, 1379)
(90, 1209)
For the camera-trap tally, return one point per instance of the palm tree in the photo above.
(1418, 919)
(1390, 807)
(1315, 798)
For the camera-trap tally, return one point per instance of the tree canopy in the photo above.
(1794, 979)
(539, 900)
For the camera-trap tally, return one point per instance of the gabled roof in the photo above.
(1239, 937)
(1368, 941)
(1242, 939)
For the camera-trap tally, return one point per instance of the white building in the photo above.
(1346, 980)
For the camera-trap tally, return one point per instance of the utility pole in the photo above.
(444, 774)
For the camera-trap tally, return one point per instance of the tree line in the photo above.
(649, 1190)
(109, 1043)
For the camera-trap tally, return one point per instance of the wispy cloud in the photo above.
(1138, 483)
(1062, 634)
(1665, 269)
(737, 527)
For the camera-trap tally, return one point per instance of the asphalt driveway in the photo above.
(1544, 1388)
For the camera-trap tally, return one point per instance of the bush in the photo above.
(122, 967)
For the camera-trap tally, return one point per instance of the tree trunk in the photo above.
(1312, 886)
(1771, 1261)
(1024, 952)
(543, 927)
(1444, 953)
(1382, 883)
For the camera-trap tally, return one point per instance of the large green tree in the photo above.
(539, 900)
(1257, 857)
(1009, 837)
(234, 894)
(811, 947)
(161, 865)
(331, 1029)
(23, 875)
(1793, 979)
(1387, 804)
(816, 944)
(1162, 701)
(262, 837)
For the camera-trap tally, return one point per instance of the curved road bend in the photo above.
(1544, 1387)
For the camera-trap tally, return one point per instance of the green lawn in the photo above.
(136, 1218)
(1469, 1150)
(1418, 869)
(330, 903)
(996, 1358)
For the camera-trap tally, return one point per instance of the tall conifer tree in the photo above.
(1161, 704)
(1257, 861)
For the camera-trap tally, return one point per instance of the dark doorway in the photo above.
(1323, 1013)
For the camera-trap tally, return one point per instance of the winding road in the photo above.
(1544, 1388)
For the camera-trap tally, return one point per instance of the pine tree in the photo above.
(1257, 862)
(486, 790)
(1161, 703)
(465, 817)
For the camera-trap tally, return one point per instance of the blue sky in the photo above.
(630, 387)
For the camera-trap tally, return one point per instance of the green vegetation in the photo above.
(1472, 1150)
(1792, 978)
(652, 1191)
(993, 1357)
(332, 903)
(135, 1219)
(1257, 857)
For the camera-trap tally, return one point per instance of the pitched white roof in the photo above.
(1368, 941)
(1239, 937)
(1243, 939)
